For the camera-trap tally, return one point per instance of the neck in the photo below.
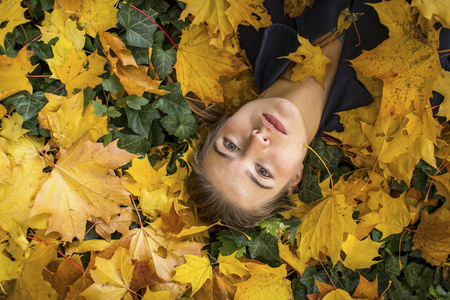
(308, 95)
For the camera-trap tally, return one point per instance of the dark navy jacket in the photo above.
(263, 48)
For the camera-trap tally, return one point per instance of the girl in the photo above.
(251, 161)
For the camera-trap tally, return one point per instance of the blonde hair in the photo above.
(211, 205)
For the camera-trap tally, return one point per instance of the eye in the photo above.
(230, 145)
(263, 172)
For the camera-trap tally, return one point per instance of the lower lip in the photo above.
(273, 123)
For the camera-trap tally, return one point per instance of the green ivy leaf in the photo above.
(310, 190)
(41, 50)
(140, 55)
(47, 4)
(163, 60)
(26, 104)
(228, 245)
(135, 102)
(412, 272)
(331, 155)
(263, 247)
(299, 290)
(99, 109)
(139, 28)
(187, 126)
(158, 39)
(174, 102)
(273, 226)
(130, 142)
(140, 120)
(156, 134)
(307, 279)
(169, 123)
(112, 112)
(112, 84)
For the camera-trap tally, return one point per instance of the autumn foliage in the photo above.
(96, 134)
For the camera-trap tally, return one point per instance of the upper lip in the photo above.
(273, 123)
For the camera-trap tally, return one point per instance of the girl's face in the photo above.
(258, 152)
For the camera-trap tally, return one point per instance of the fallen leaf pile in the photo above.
(97, 130)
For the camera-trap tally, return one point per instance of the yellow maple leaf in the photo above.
(223, 17)
(351, 121)
(434, 8)
(61, 53)
(23, 183)
(432, 236)
(52, 25)
(155, 201)
(288, 256)
(310, 61)
(195, 271)
(133, 77)
(199, 65)
(390, 214)
(113, 42)
(78, 73)
(248, 12)
(145, 176)
(442, 86)
(367, 290)
(94, 15)
(7, 265)
(111, 277)
(80, 186)
(337, 294)
(12, 127)
(295, 8)
(119, 223)
(145, 243)
(25, 148)
(407, 66)
(68, 119)
(13, 15)
(56, 25)
(13, 75)
(229, 265)
(161, 295)
(265, 283)
(323, 229)
(398, 147)
(31, 284)
(360, 254)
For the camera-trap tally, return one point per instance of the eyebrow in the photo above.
(249, 174)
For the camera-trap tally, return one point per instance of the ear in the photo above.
(295, 180)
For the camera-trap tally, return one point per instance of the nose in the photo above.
(259, 140)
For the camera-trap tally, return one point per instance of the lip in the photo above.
(273, 123)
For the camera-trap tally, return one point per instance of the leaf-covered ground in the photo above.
(96, 131)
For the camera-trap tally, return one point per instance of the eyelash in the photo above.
(227, 144)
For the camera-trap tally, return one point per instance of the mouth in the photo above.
(273, 123)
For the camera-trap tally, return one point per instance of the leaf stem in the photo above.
(225, 225)
(371, 174)
(31, 41)
(137, 212)
(327, 274)
(35, 238)
(389, 285)
(38, 76)
(434, 176)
